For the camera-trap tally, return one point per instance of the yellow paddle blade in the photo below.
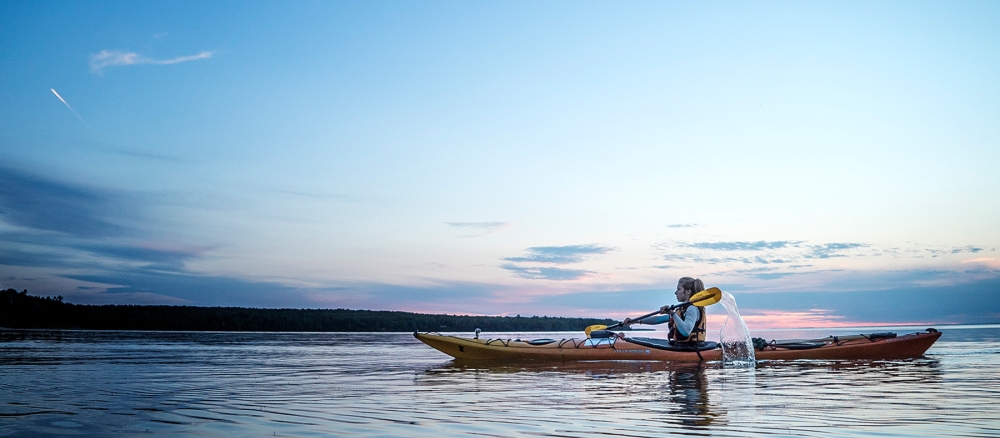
(594, 327)
(706, 297)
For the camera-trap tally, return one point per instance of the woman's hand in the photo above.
(627, 321)
(667, 309)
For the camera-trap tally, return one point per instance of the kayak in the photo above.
(871, 346)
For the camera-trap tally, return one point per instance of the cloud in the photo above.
(970, 248)
(559, 254)
(480, 228)
(154, 256)
(188, 288)
(114, 58)
(545, 273)
(682, 225)
(743, 246)
(768, 273)
(61, 252)
(693, 258)
(554, 255)
(17, 255)
(40, 203)
(828, 250)
(763, 252)
(61, 225)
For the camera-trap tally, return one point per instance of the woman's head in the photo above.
(688, 286)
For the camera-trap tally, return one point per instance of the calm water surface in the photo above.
(87, 383)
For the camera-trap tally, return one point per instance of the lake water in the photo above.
(88, 383)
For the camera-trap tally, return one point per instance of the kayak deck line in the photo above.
(873, 346)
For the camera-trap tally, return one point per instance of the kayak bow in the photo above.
(612, 348)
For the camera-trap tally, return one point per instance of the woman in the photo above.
(686, 323)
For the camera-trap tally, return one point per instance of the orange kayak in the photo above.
(874, 346)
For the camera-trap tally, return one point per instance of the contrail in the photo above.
(70, 108)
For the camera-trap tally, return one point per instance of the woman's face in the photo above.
(682, 294)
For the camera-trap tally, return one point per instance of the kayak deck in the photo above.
(613, 348)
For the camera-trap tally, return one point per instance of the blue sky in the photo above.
(561, 158)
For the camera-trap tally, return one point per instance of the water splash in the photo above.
(737, 345)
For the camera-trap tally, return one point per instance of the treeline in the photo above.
(20, 310)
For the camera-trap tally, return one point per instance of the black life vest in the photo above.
(697, 333)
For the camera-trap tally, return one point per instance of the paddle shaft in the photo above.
(650, 314)
(706, 297)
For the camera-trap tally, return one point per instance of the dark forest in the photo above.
(21, 310)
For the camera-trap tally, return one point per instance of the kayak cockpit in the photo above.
(664, 344)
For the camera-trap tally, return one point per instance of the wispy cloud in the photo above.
(762, 252)
(773, 273)
(546, 273)
(760, 245)
(559, 254)
(65, 225)
(828, 250)
(749, 260)
(554, 255)
(151, 255)
(694, 258)
(682, 225)
(480, 228)
(970, 248)
(40, 203)
(115, 58)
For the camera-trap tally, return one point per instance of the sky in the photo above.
(827, 163)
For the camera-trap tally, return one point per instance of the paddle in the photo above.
(704, 298)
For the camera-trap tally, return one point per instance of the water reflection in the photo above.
(681, 391)
(589, 368)
(376, 384)
(860, 372)
(689, 392)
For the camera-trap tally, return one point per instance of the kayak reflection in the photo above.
(678, 393)
(589, 368)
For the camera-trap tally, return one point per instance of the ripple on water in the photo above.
(223, 384)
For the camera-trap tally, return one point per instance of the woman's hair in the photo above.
(692, 284)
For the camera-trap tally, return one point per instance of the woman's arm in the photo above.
(686, 324)
(653, 320)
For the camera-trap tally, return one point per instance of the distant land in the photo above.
(20, 310)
